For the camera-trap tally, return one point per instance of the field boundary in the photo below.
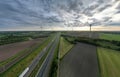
(17, 59)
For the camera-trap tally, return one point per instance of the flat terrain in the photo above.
(9, 50)
(110, 36)
(109, 62)
(46, 66)
(65, 46)
(84, 34)
(81, 61)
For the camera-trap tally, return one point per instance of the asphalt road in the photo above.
(44, 70)
(37, 59)
(81, 61)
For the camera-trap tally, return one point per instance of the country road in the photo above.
(81, 61)
(44, 69)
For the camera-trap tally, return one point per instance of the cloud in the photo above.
(30, 13)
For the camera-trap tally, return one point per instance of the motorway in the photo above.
(36, 60)
(45, 68)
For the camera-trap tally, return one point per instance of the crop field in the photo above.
(110, 36)
(83, 34)
(13, 37)
(17, 69)
(107, 58)
(17, 53)
(7, 51)
(76, 54)
(109, 62)
(81, 61)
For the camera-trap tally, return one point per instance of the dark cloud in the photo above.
(114, 23)
(103, 7)
(118, 12)
(48, 12)
(105, 19)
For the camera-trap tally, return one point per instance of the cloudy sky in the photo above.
(58, 14)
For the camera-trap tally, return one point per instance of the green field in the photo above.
(110, 36)
(13, 37)
(109, 62)
(65, 46)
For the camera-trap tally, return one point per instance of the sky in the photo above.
(59, 14)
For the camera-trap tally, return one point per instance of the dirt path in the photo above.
(81, 61)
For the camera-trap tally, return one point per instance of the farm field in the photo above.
(81, 61)
(14, 37)
(110, 36)
(9, 50)
(76, 54)
(17, 69)
(83, 34)
(107, 57)
(109, 62)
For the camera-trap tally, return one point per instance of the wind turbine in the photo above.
(90, 23)
(90, 32)
(41, 28)
(90, 27)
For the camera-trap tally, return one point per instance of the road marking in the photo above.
(24, 72)
(45, 64)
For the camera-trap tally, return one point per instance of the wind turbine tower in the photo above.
(90, 33)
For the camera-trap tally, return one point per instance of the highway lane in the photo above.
(44, 70)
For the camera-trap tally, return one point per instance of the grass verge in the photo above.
(65, 46)
(34, 72)
(54, 66)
